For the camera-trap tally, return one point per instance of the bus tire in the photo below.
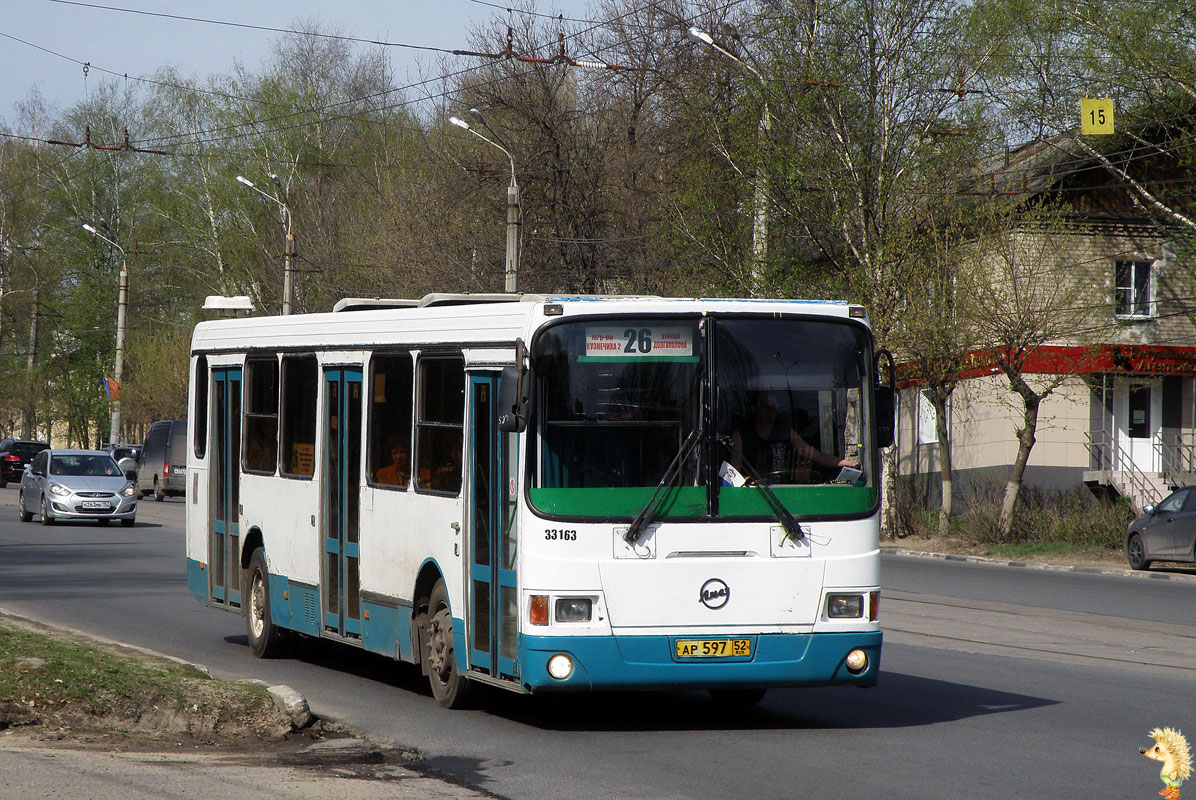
(266, 640)
(450, 688)
(737, 698)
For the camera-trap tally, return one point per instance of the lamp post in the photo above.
(288, 269)
(121, 309)
(31, 353)
(511, 283)
(760, 201)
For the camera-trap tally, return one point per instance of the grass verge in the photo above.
(61, 684)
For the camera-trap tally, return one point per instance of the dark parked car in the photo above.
(1166, 532)
(163, 464)
(14, 455)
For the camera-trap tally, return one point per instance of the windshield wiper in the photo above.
(792, 529)
(649, 511)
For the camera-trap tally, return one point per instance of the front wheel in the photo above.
(46, 518)
(24, 515)
(1135, 552)
(450, 688)
(266, 639)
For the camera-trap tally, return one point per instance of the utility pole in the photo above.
(288, 267)
(121, 313)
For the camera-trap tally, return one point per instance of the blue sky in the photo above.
(138, 43)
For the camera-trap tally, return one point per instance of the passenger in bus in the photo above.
(398, 471)
(447, 477)
(770, 444)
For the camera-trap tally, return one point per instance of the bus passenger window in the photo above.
(390, 419)
(299, 385)
(261, 415)
(440, 424)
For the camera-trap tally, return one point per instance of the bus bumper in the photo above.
(649, 662)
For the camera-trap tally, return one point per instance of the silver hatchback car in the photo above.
(76, 484)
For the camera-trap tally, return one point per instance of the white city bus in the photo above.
(548, 493)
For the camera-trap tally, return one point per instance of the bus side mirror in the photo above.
(885, 421)
(514, 392)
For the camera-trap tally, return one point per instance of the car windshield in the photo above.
(86, 465)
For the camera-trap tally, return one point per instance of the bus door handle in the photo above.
(456, 526)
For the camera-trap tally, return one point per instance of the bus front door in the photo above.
(493, 621)
(224, 536)
(342, 499)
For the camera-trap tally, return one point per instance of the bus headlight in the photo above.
(574, 609)
(560, 666)
(857, 661)
(844, 606)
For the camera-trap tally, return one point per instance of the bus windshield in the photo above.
(780, 402)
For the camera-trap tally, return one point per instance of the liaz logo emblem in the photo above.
(715, 594)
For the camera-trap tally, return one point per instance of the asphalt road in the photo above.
(996, 683)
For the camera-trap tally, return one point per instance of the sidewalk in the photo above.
(1161, 572)
(347, 769)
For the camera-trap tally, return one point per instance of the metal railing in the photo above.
(1124, 475)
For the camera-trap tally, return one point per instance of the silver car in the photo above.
(76, 484)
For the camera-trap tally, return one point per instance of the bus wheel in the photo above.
(737, 698)
(450, 688)
(266, 639)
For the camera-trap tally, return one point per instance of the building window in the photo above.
(1133, 289)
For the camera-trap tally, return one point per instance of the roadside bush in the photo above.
(1072, 517)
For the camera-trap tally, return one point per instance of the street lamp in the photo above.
(288, 270)
(512, 262)
(121, 310)
(760, 212)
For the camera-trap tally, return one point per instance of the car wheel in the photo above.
(128, 522)
(1135, 552)
(159, 495)
(21, 512)
(450, 688)
(266, 639)
(46, 518)
(3, 482)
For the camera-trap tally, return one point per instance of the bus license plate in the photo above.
(714, 648)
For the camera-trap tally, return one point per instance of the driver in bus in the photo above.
(768, 443)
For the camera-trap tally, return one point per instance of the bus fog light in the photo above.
(857, 661)
(560, 666)
(844, 606)
(574, 609)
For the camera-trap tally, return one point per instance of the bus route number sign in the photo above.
(636, 342)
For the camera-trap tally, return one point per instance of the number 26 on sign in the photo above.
(1096, 116)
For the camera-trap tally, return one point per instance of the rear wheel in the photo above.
(46, 518)
(1135, 552)
(266, 639)
(24, 515)
(159, 495)
(450, 688)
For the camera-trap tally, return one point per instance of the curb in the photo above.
(1121, 572)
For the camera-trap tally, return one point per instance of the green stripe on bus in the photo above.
(690, 501)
